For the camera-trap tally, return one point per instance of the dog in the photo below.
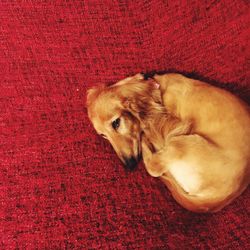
(195, 137)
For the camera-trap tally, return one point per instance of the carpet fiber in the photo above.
(61, 185)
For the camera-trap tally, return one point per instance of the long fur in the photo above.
(188, 135)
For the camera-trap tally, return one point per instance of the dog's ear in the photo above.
(93, 93)
(138, 77)
(142, 99)
(136, 107)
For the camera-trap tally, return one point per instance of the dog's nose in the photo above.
(130, 163)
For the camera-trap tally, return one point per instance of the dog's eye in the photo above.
(116, 123)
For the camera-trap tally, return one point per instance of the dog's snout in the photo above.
(130, 163)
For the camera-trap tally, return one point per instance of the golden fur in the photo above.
(194, 136)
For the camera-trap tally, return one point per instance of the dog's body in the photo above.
(195, 137)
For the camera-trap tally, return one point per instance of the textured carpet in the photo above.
(62, 186)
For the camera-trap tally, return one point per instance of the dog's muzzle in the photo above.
(130, 163)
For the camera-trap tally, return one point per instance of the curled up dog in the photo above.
(192, 135)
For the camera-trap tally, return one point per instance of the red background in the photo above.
(62, 186)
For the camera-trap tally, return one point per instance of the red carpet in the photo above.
(61, 185)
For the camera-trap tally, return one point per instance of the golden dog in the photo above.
(192, 135)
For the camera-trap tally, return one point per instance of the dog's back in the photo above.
(223, 121)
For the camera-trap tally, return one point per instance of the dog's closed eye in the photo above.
(116, 123)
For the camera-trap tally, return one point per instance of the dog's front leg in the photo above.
(152, 160)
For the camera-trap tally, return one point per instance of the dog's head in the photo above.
(117, 113)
